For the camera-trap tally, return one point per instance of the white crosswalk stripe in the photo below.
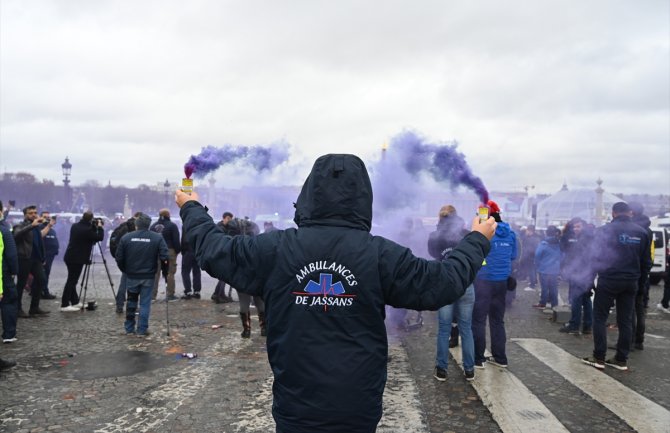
(513, 406)
(637, 411)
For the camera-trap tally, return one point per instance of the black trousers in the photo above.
(27, 267)
(640, 312)
(188, 265)
(70, 296)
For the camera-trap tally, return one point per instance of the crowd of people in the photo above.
(613, 261)
(320, 290)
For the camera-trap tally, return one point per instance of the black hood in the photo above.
(642, 220)
(452, 224)
(337, 192)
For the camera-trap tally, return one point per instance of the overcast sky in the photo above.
(536, 92)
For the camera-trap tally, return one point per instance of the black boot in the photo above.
(261, 323)
(246, 324)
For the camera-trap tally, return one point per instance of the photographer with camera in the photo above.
(30, 246)
(83, 236)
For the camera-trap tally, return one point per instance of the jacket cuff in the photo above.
(481, 240)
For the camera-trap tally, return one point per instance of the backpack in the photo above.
(117, 234)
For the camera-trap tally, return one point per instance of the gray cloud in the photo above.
(535, 91)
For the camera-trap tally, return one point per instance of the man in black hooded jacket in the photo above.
(325, 285)
(642, 296)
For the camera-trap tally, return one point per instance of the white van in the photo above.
(660, 267)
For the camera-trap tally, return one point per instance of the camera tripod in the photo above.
(83, 288)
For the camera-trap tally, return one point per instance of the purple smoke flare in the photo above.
(259, 157)
(441, 160)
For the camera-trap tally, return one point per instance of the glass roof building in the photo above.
(566, 204)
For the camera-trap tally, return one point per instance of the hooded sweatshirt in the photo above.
(498, 266)
(548, 256)
(325, 285)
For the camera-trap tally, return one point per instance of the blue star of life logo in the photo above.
(325, 286)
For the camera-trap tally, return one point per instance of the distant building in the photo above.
(566, 204)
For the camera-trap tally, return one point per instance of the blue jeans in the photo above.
(48, 262)
(489, 303)
(463, 308)
(549, 289)
(580, 299)
(609, 291)
(532, 274)
(138, 289)
(121, 294)
(9, 308)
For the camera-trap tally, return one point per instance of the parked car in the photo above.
(661, 252)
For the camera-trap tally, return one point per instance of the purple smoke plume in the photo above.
(442, 160)
(259, 157)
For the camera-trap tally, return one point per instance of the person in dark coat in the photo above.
(188, 266)
(576, 243)
(83, 236)
(325, 285)
(30, 246)
(51, 249)
(642, 297)
(114, 240)
(140, 254)
(170, 233)
(219, 296)
(9, 268)
(620, 257)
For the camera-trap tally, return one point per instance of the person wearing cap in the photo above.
(491, 291)
(620, 257)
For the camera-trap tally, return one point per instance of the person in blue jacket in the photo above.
(490, 293)
(325, 285)
(548, 263)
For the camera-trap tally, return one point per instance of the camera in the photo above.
(97, 222)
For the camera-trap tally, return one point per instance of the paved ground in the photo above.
(79, 372)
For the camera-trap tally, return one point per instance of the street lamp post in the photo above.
(67, 169)
(166, 187)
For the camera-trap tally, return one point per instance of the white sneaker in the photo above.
(9, 340)
(663, 309)
(68, 309)
(79, 306)
(528, 289)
